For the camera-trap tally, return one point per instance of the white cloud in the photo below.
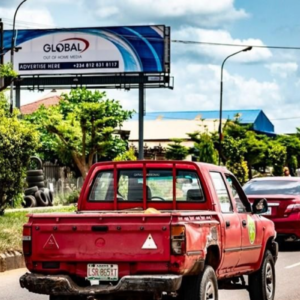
(205, 12)
(247, 94)
(283, 70)
(27, 18)
(197, 87)
(107, 12)
(223, 37)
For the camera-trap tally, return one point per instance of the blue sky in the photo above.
(265, 79)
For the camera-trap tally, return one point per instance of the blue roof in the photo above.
(246, 116)
(257, 117)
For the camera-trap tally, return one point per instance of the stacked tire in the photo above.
(37, 194)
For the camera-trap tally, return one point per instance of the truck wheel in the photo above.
(202, 287)
(262, 282)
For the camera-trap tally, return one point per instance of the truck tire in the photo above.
(262, 283)
(49, 195)
(35, 172)
(29, 201)
(39, 184)
(35, 178)
(38, 161)
(31, 190)
(41, 198)
(201, 287)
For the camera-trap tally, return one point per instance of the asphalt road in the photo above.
(287, 273)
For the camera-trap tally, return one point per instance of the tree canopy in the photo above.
(82, 125)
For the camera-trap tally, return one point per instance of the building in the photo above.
(161, 127)
(51, 98)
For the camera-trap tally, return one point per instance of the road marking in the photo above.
(293, 266)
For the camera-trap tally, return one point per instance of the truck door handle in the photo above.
(244, 222)
(227, 224)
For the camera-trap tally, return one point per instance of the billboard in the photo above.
(127, 49)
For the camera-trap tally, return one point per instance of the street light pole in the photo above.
(221, 98)
(12, 50)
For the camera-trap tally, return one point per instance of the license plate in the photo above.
(102, 272)
(268, 212)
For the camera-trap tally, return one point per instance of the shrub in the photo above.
(17, 143)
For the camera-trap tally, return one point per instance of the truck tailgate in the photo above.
(103, 237)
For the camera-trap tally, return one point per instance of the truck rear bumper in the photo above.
(64, 285)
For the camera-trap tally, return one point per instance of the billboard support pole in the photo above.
(18, 96)
(2, 43)
(1, 50)
(141, 120)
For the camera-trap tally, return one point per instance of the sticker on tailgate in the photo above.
(51, 243)
(149, 243)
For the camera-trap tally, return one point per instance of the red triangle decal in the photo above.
(51, 243)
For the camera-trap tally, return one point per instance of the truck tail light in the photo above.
(27, 241)
(292, 208)
(178, 242)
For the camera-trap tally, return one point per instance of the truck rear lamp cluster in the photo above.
(292, 208)
(26, 241)
(178, 241)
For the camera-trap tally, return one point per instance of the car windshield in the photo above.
(272, 187)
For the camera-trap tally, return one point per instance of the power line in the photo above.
(290, 118)
(234, 45)
(25, 23)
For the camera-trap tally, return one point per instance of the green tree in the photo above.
(18, 142)
(6, 71)
(204, 145)
(234, 150)
(176, 151)
(254, 146)
(82, 124)
(276, 156)
(292, 144)
(256, 149)
(127, 155)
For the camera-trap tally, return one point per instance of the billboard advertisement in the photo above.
(127, 49)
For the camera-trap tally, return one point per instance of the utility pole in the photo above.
(221, 99)
(12, 50)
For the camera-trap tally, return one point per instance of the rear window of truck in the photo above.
(159, 186)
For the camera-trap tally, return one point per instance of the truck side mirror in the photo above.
(260, 206)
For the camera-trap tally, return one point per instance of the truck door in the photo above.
(252, 234)
(231, 224)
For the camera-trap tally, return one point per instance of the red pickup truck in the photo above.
(149, 230)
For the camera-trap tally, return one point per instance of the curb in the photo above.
(11, 260)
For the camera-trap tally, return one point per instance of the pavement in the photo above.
(287, 281)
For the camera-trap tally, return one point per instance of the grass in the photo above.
(11, 226)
